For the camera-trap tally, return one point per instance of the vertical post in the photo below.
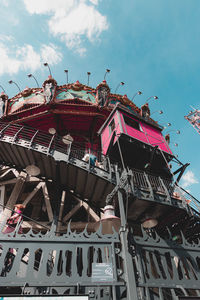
(120, 152)
(62, 203)
(108, 166)
(127, 258)
(16, 192)
(165, 189)
(57, 195)
(149, 185)
(69, 149)
(89, 158)
(120, 123)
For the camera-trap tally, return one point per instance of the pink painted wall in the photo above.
(122, 122)
(148, 133)
(105, 139)
(139, 135)
(155, 137)
(106, 135)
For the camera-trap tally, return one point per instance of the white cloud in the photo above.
(189, 179)
(50, 54)
(28, 58)
(81, 51)
(71, 20)
(8, 64)
(48, 6)
(14, 58)
(6, 38)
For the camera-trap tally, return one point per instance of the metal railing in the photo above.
(139, 180)
(188, 199)
(91, 157)
(159, 185)
(142, 180)
(49, 144)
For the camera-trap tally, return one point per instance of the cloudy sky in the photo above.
(152, 46)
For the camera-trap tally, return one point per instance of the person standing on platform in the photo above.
(92, 159)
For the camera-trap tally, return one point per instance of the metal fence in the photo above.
(71, 260)
(166, 269)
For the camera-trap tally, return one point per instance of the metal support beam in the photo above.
(127, 258)
(151, 196)
(148, 167)
(62, 203)
(71, 212)
(182, 170)
(17, 190)
(165, 189)
(32, 194)
(47, 202)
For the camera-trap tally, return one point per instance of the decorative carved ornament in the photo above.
(103, 84)
(26, 92)
(50, 80)
(76, 86)
(3, 97)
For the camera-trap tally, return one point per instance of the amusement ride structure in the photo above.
(194, 119)
(90, 204)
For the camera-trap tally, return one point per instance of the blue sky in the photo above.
(152, 46)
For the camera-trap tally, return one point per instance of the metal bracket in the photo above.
(123, 181)
(165, 189)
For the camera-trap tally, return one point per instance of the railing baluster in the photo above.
(149, 185)
(166, 190)
(108, 165)
(49, 148)
(16, 134)
(32, 139)
(8, 125)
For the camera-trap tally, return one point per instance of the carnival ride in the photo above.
(104, 213)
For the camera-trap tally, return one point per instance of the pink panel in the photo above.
(118, 118)
(105, 139)
(136, 134)
(122, 122)
(106, 135)
(155, 138)
(117, 126)
(148, 133)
